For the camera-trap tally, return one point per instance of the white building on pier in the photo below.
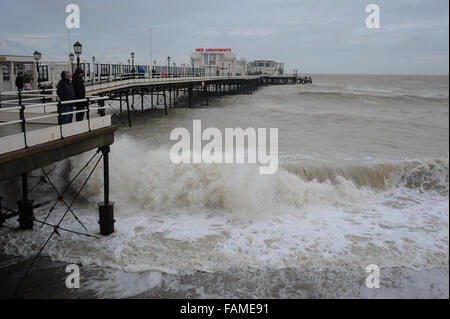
(219, 62)
(268, 67)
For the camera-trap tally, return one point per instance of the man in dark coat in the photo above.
(19, 81)
(80, 92)
(66, 92)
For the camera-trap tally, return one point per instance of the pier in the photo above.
(32, 136)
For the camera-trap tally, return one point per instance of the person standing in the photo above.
(80, 92)
(19, 81)
(66, 92)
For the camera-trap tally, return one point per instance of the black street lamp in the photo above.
(168, 65)
(193, 70)
(37, 56)
(77, 49)
(132, 62)
(93, 69)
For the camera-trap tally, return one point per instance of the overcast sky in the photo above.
(313, 36)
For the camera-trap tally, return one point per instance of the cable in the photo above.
(62, 199)
(70, 183)
(55, 230)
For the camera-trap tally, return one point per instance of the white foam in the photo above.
(181, 218)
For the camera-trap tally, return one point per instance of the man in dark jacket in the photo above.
(66, 92)
(19, 81)
(80, 92)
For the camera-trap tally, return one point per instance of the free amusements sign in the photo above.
(213, 50)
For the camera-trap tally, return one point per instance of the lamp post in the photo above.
(222, 69)
(77, 49)
(93, 69)
(193, 70)
(37, 56)
(168, 65)
(71, 58)
(132, 62)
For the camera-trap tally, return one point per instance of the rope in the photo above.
(60, 196)
(55, 230)
(10, 210)
(41, 180)
(37, 184)
(70, 183)
(112, 110)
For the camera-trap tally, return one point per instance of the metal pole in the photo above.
(170, 98)
(106, 209)
(128, 111)
(25, 206)
(165, 102)
(105, 151)
(190, 97)
(25, 187)
(151, 101)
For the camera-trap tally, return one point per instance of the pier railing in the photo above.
(143, 81)
(129, 79)
(26, 125)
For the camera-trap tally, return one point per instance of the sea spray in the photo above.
(147, 179)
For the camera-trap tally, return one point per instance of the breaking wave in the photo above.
(394, 97)
(148, 180)
(431, 174)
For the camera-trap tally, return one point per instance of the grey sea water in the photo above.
(363, 179)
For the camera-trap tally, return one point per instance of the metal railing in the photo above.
(49, 110)
(120, 81)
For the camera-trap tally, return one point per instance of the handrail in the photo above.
(97, 98)
(59, 113)
(142, 78)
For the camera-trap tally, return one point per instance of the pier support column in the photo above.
(106, 208)
(25, 206)
(151, 102)
(165, 102)
(2, 217)
(128, 111)
(190, 97)
(170, 98)
(206, 93)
